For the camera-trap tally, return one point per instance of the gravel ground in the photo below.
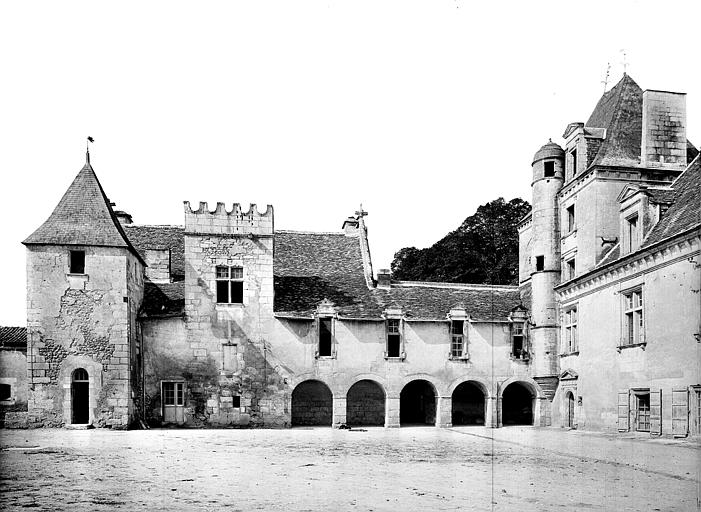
(468, 468)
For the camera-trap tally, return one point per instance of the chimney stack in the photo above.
(384, 278)
(350, 226)
(664, 129)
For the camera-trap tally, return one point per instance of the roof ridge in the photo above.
(466, 286)
(297, 232)
(178, 226)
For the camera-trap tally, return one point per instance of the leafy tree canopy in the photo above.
(483, 250)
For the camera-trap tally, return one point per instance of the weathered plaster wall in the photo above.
(13, 372)
(78, 321)
(668, 360)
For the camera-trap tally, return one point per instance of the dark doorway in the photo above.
(80, 396)
(365, 404)
(468, 405)
(517, 405)
(417, 404)
(312, 404)
(570, 410)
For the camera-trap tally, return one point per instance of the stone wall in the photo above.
(365, 404)
(312, 404)
(664, 129)
(79, 321)
(13, 373)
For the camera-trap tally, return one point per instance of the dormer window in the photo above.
(519, 333)
(325, 330)
(394, 334)
(570, 269)
(573, 160)
(458, 333)
(571, 225)
(632, 233)
(77, 262)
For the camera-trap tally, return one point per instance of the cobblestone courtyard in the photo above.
(409, 469)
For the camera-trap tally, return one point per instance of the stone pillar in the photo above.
(490, 416)
(392, 412)
(339, 412)
(541, 413)
(498, 414)
(445, 411)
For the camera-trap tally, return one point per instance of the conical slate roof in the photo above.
(83, 216)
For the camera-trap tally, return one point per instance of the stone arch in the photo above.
(365, 403)
(438, 387)
(518, 403)
(94, 385)
(336, 389)
(570, 408)
(469, 404)
(418, 402)
(530, 383)
(483, 384)
(364, 376)
(312, 404)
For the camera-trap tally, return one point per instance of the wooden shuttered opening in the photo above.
(655, 412)
(680, 412)
(623, 411)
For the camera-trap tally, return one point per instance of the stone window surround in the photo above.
(241, 279)
(394, 314)
(625, 312)
(570, 328)
(94, 369)
(521, 319)
(460, 315)
(325, 310)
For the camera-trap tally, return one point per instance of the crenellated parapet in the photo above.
(223, 222)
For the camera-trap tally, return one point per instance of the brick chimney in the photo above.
(664, 129)
(384, 277)
(123, 217)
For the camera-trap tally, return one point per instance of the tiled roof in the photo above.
(613, 254)
(83, 216)
(620, 111)
(661, 195)
(163, 299)
(685, 210)
(311, 267)
(13, 337)
(160, 237)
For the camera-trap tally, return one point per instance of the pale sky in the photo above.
(421, 111)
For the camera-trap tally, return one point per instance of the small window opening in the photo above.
(549, 169)
(394, 338)
(632, 233)
(574, 162)
(77, 259)
(229, 285)
(457, 338)
(539, 263)
(518, 341)
(570, 219)
(5, 391)
(570, 268)
(236, 401)
(325, 337)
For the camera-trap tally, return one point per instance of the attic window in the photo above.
(539, 263)
(549, 169)
(77, 262)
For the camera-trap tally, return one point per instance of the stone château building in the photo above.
(226, 321)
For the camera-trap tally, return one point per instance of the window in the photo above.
(549, 169)
(642, 412)
(573, 154)
(394, 337)
(77, 262)
(632, 234)
(236, 401)
(457, 338)
(518, 341)
(173, 393)
(229, 358)
(570, 269)
(634, 332)
(325, 336)
(539, 263)
(570, 219)
(5, 392)
(570, 341)
(229, 285)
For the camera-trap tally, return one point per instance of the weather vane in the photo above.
(87, 149)
(361, 213)
(605, 81)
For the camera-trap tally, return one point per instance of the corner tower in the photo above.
(548, 177)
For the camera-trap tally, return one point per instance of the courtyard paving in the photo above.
(408, 469)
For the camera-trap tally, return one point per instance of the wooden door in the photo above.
(570, 410)
(655, 412)
(623, 411)
(680, 412)
(173, 394)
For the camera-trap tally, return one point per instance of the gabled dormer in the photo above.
(640, 209)
(581, 145)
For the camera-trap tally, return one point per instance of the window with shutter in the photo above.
(623, 411)
(655, 412)
(680, 412)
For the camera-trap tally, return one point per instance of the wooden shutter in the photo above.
(655, 412)
(623, 411)
(680, 412)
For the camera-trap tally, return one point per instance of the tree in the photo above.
(483, 250)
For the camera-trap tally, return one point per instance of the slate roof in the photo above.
(161, 237)
(685, 211)
(13, 337)
(311, 267)
(620, 112)
(83, 216)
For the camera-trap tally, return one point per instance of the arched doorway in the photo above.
(312, 404)
(570, 410)
(517, 405)
(80, 397)
(365, 404)
(468, 404)
(417, 403)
